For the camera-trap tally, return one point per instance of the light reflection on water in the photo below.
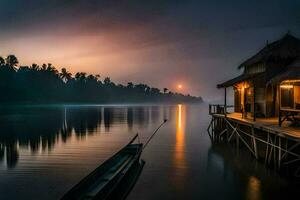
(254, 189)
(180, 143)
(179, 152)
(46, 150)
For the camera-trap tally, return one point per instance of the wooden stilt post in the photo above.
(274, 154)
(254, 142)
(267, 148)
(213, 129)
(225, 102)
(279, 105)
(227, 131)
(254, 107)
(237, 141)
(279, 152)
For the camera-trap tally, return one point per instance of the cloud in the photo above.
(159, 42)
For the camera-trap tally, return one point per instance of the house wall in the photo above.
(264, 99)
(237, 100)
(248, 99)
(297, 97)
(260, 100)
(287, 97)
(277, 100)
(267, 97)
(243, 98)
(239, 96)
(270, 101)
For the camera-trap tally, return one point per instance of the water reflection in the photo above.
(254, 188)
(180, 143)
(51, 149)
(108, 118)
(12, 155)
(1, 152)
(40, 129)
(179, 152)
(130, 118)
(253, 180)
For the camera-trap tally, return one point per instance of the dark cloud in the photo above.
(192, 39)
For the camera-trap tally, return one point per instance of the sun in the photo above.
(179, 86)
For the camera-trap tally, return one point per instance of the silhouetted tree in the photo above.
(140, 87)
(2, 61)
(130, 85)
(91, 78)
(44, 67)
(80, 76)
(107, 81)
(165, 90)
(155, 91)
(65, 75)
(51, 69)
(12, 61)
(97, 77)
(35, 67)
(45, 84)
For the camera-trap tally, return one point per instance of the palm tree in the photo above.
(12, 61)
(35, 67)
(80, 76)
(77, 76)
(141, 87)
(51, 68)
(97, 77)
(65, 75)
(165, 90)
(155, 91)
(2, 61)
(107, 81)
(44, 67)
(91, 79)
(130, 85)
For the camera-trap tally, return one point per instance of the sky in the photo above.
(195, 43)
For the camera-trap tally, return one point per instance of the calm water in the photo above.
(44, 151)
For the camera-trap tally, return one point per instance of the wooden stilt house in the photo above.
(270, 82)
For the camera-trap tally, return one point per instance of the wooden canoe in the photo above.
(113, 179)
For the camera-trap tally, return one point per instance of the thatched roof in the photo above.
(287, 47)
(241, 78)
(292, 73)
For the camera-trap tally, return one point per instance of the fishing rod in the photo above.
(165, 120)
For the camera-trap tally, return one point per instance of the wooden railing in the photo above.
(219, 109)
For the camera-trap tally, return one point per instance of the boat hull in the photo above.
(109, 178)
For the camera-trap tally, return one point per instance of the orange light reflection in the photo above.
(179, 157)
(254, 188)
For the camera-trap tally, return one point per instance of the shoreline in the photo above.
(96, 104)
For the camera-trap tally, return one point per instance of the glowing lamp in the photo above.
(286, 86)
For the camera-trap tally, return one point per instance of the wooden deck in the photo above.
(264, 138)
(266, 124)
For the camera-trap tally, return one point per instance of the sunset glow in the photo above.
(149, 99)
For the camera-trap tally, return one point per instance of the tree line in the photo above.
(45, 84)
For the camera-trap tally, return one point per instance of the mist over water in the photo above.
(45, 150)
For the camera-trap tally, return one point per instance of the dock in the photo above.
(278, 146)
